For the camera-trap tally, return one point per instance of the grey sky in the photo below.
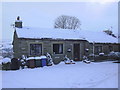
(93, 16)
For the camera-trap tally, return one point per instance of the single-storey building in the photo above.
(60, 42)
(38, 41)
(100, 42)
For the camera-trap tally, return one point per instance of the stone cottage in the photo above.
(39, 41)
(60, 42)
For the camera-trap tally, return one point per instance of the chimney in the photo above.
(18, 23)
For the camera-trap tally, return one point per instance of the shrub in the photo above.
(114, 55)
(6, 63)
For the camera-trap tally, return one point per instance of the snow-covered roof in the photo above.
(91, 36)
(39, 33)
(98, 36)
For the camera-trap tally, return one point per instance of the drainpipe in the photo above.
(93, 50)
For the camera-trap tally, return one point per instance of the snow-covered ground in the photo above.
(79, 75)
(6, 49)
(5, 44)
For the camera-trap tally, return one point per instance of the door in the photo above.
(76, 52)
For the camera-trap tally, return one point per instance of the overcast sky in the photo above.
(93, 15)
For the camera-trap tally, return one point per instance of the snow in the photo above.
(4, 45)
(1, 60)
(91, 36)
(78, 75)
(1, 57)
(67, 61)
(5, 48)
(101, 53)
(37, 58)
(41, 57)
(30, 58)
(47, 33)
(6, 60)
(98, 37)
(18, 20)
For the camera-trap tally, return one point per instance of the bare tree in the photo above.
(67, 22)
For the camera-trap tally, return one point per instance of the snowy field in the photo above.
(79, 75)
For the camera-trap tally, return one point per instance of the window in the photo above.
(35, 49)
(98, 49)
(58, 48)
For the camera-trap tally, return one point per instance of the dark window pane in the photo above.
(35, 49)
(58, 48)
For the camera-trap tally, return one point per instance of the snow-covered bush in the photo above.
(50, 60)
(24, 57)
(22, 63)
(85, 59)
(114, 55)
(72, 62)
(101, 54)
(6, 63)
(67, 60)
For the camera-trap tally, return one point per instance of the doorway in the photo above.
(76, 52)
